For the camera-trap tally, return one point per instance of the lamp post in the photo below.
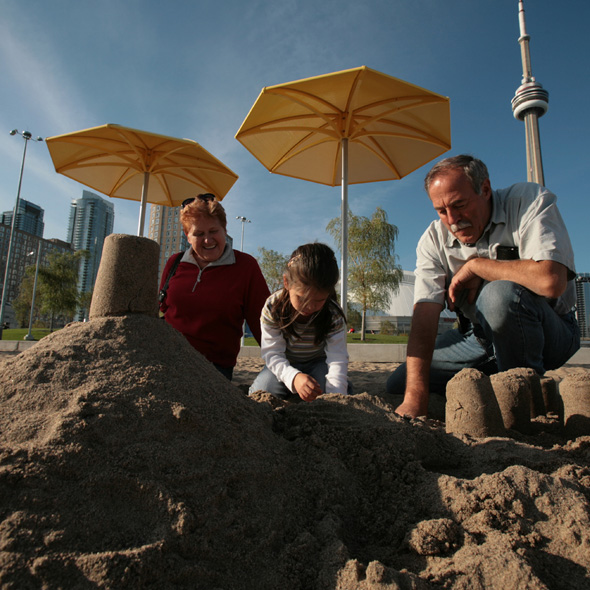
(29, 335)
(26, 136)
(244, 221)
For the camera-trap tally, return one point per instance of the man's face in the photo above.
(463, 212)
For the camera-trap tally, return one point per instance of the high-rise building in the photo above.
(25, 251)
(91, 221)
(165, 229)
(29, 218)
(583, 303)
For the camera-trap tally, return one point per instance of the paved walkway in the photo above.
(373, 353)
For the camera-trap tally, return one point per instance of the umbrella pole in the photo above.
(144, 192)
(344, 232)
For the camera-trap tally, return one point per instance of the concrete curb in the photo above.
(370, 353)
(15, 346)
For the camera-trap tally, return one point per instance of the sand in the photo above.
(127, 461)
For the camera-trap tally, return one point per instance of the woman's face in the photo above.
(207, 239)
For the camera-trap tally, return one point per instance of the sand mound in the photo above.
(127, 461)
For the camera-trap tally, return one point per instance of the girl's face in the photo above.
(207, 239)
(305, 300)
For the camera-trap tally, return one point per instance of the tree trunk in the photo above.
(363, 325)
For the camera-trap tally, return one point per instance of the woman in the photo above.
(214, 288)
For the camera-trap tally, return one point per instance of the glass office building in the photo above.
(91, 221)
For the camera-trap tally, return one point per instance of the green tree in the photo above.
(22, 302)
(354, 318)
(387, 327)
(58, 284)
(373, 275)
(85, 299)
(272, 264)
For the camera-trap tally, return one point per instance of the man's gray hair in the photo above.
(475, 170)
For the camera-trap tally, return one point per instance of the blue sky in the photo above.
(193, 69)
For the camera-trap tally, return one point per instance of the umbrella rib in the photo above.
(277, 125)
(417, 135)
(204, 183)
(282, 125)
(416, 101)
(296, 96)
(376, 149)
(348, 120)
(295, 150)
(88, 142)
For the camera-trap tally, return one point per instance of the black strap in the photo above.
(162, 294)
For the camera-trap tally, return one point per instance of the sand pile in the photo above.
(127, 461)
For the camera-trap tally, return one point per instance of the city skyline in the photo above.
(149, 69)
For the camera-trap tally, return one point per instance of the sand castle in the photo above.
(128, 461)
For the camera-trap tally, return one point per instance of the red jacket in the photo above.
(209, 306)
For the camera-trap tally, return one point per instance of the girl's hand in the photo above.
(306, 387)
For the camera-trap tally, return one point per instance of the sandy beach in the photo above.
(127, 461)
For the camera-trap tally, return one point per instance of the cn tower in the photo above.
(530, 102)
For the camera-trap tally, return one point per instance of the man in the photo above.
(502, 259)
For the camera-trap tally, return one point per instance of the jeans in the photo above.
(227, 372)
(516, 328)
(266, 380)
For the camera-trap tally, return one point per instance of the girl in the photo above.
(304, 330)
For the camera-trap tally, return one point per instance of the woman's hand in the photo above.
(306, 387)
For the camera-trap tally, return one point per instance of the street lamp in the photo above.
(244, 221)
(26, 136)
(29, 335)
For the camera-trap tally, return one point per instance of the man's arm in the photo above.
(420, 348)
(545, 277)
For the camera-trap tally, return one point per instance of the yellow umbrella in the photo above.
(348, 127)
(120, 162)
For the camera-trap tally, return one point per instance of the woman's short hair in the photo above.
(475, 170)
(202, 206)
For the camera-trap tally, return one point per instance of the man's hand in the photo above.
(465, 279)
(413, 407)
(419, 358)
(306, 387)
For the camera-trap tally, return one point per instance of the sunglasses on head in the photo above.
(206, 197)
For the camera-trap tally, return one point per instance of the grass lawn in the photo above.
(355, 338)
(20, 333)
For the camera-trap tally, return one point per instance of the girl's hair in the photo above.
(198, 208)
(311, 265)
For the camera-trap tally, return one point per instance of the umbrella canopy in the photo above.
(131, 164)
(348, 127)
